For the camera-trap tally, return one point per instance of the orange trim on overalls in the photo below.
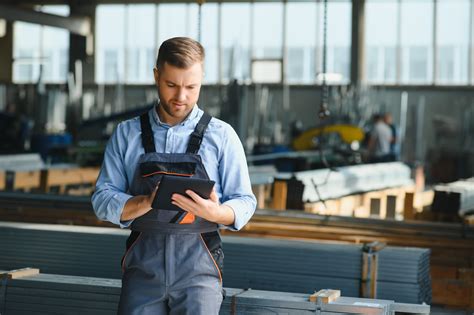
(188, 219)
(168, 173)
(128, 251)
(212, 258)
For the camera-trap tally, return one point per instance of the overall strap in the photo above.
(198, 133)
(148, 141)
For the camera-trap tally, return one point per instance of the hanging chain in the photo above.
(199, 21)
(324, 112)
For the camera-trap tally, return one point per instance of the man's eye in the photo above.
(170, 85)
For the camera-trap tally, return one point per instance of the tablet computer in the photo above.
(170, 185)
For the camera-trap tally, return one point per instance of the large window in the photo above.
(381, 41)
(452, 41)
(235, 39)
(338, 40)
(209, 39)
(304, 41)
(127, 46)
(110, 44)
(41, 52)
(173, 20)
(140, 43)
(417, 41)
(267, 30)
(406, 47)
(301, 34)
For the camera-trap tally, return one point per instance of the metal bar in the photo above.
(435, 42)
(399, 44)
(470, 44)
(74, 24)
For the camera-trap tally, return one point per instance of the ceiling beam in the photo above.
(74, 24)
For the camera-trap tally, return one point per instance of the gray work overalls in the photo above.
(173, 262)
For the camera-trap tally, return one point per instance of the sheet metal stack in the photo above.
(454, 198)
(351, 179)
(264, 264)
(280, 265)
(404, 274)
(46, 294)
(54, 294)
(62, 249)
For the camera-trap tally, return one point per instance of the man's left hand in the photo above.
(208, 209)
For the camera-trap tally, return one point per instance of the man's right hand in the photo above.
(137, 206)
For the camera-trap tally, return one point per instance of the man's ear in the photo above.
(156, 75)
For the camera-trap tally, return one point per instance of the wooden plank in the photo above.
(469, 220)
(259, 192)
(451, 292)
(325, 296)
(22, 273)
(442, 272)
(348, 205)
(409, 211)
(358, 205)
(2, 180)
(27, 180)
(280, 192)
(423, 199)
(65, 177)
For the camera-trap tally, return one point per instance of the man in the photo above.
(394, 145)
(173, 264)
(379, 141)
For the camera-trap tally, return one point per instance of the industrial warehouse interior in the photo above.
(340, 156)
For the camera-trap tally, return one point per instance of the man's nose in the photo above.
(181, 95)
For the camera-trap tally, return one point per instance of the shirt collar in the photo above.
(192, 115)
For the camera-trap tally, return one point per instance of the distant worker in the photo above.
(394, 144)
(12, 130)
(380, 140)
(173, 264)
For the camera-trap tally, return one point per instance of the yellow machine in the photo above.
(347, 133)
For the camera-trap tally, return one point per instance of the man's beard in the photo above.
(166, 108)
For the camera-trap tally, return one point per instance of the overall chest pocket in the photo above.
(149, 174)
(151, 169)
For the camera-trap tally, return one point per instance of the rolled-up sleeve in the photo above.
(110, 195)
(235, 181)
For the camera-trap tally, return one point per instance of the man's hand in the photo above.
(137, 206)
(208, 209)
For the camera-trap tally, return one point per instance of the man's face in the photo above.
(178, 90)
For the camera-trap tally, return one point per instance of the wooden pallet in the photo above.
(393, 203)
(49, 179)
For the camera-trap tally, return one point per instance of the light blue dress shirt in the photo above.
(221, 152)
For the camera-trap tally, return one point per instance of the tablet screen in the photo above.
(170, 185)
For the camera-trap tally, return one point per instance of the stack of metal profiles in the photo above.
(296, 266)
(350, 180)
(46, 293)
(455, 198)
(404, 275)
(264, 264)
